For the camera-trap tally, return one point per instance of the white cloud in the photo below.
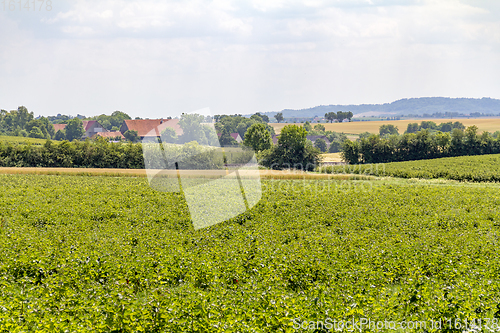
(151, 56)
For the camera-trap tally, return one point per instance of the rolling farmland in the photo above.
(357, 127)
(110, 254)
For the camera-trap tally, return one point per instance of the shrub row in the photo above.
(98, 154)
(484, 168)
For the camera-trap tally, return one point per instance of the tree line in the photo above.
(339, 116)
(334, 138)
(21, 122)
(423, 144)
(329, 116)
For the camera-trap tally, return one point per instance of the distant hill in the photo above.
(406, 106)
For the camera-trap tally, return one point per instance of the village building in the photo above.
(59, 127)
(150, 128)
(91, 128)
(235, 136)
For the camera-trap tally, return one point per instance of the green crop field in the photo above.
(481, 168)
(21, 140)
(103, 254)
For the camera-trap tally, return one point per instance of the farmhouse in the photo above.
(150, 128)
(91, 127)
(235, 136)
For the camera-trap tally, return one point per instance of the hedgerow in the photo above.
(419, 146)
(484, 168)
(87, 154)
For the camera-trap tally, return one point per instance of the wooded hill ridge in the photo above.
(405, 106)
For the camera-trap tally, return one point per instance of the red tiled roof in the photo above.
(109, 134)
(145, 126)
(58, 127)
(88, 123)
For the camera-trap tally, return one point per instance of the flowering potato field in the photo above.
(479, 168)
(103, 254)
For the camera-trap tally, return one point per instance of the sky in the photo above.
(161, 58)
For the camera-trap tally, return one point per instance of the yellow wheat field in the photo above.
(264, 174)
(356, 127)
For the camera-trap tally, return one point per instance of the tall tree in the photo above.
(321, 145)
(472, 142)
(340, 116)
(388, 129)
(114, 120)
(264, 117)
(192, 129)
(350, 152)
(349, 115)
(168, 135)
(258, 137)
(412, 128)
(319, 128)
(279, 117)
(74, 129)
(22, 116)
(226, 140)
(331, 116)
(40, 127)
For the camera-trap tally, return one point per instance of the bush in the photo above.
(307, 126)
(36, 133)
(168, 135)
(74, 129)
(335, 147)
(131, 136)
(190, 155)
(319, 128)
(388, 130)
(293, 151)
(60, 135)
(321, 145)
